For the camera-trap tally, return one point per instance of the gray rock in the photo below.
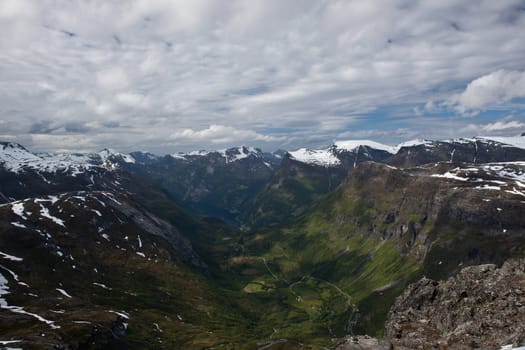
(482, 307)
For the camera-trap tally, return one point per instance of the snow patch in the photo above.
(510, 347)
(7, 342)
(18, 209)
(101, 285)
(488, 187)
(10, 257)
(19, 225)
(45, 213)
(415, 142)
(317, 157)
(449, 175)
(121, 314)
(4, 289)
(64, 293)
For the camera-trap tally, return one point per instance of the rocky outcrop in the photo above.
(482, 307)
(362, 342)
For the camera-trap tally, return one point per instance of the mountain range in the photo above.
(241, 248)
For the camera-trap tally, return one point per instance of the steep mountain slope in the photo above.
(217, 184)
(306, 175)
(293, 188)
(386, 226)
(94, 270)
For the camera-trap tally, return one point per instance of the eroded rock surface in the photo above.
(483, 307)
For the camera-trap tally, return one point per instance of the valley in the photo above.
(242, 249)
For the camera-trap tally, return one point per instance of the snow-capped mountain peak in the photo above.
(15, 158)
(230, 154)
(323, 157)
(415, 142)
(352, 145)
(108, 154)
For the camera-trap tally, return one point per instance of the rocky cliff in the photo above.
(482, 307)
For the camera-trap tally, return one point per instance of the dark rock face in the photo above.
(482, 307)
(216, 184)
(351, 158)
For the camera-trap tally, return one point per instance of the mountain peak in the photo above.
(107, 153)
(351, 145)
(323, 157)
(230, 154)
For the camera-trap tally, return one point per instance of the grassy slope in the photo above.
(382, 229)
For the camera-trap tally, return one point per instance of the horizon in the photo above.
(396, 146)
(165, 76)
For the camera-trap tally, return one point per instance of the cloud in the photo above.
(507, 126)
(134, 100)
(130, 74)
(112, 79)
(220, 134)
(401, 133)
(491, 89)
(501, 125)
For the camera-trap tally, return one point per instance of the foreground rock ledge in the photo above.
(483, 307)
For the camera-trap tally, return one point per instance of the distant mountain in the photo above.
(217, 183)
(474, 150)
(348, 154)
(230, 155)
(241, 185)
(306, 175)
(344, 153)
(15, 158)
(25, 174)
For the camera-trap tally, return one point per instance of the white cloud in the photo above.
(503, 125)
(219, 134)
(491, 89)
(506, 126)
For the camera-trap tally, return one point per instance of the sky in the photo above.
(174, 75)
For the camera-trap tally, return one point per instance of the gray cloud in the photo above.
(134, 74)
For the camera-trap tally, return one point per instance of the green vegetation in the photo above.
(306, 278)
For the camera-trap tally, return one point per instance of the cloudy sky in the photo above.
(178, 75)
